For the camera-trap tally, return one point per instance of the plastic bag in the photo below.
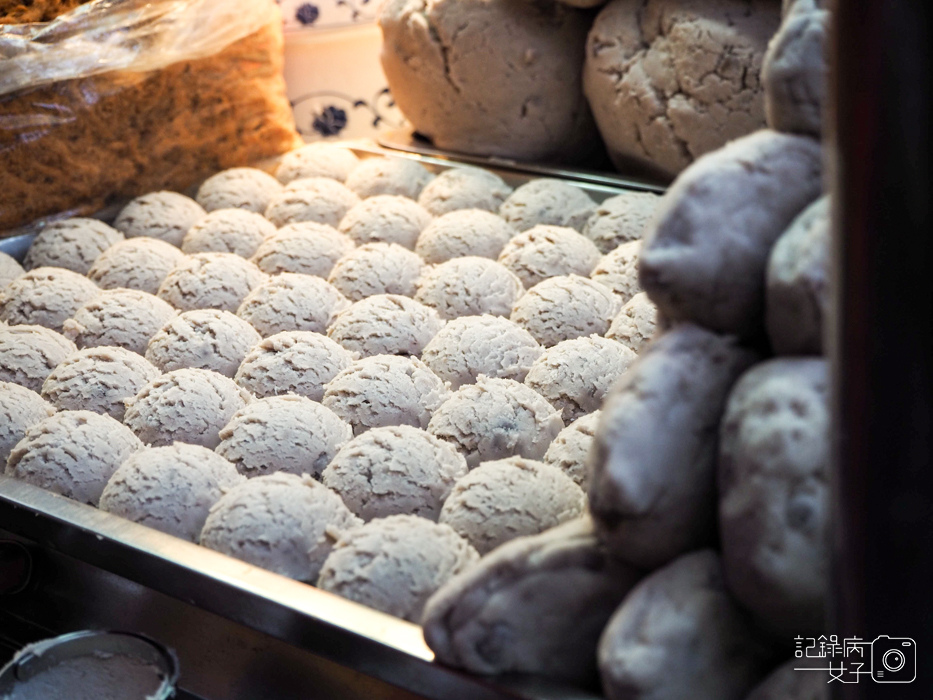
(121, 97)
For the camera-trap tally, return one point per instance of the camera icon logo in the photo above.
(893, 659)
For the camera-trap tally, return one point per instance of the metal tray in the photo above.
(239, 631)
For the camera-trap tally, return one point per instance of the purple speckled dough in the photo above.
(125, 318)
(386, 218)
(282, 522)
(73, 244)
(136, 263)
(29, 353)
(464, 232)
(20, 409)
(377, 268)
(317, 160)
(549, 202)
(469, 286)
(203, 338)
(45, 296)
(164, 215)
(210, 281)
(395, 176)
(170, 488)
(548, 251)
(621, 219)
(238, 231)
(317, 199)
(72, 453)
(309, 248)
(240, 188)
(292, 302)
(385, 324)
(464, 188)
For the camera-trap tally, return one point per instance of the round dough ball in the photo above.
(10, 269)
(548, 251)
(670, 80)
(210, 281)
(385, 324)
(394, 176)
(621, 219)
(464, 188)
(636, 323)
(297, 362)
(203, 338)
(20, 409)
(507, 498)
(618, 270)
(395, 564)
(99, 380)
(73, 244)
(575, 375)
(169, 488)
(308, 248)
(496, 418)
(72, 453)
(136, 263)
(469, 287)
(490, 77)
(292, 302)
(386, 218)
(395, 470)
(45, 296)
(561, 308)
(184, 405)
(125, 318)
(249, 189)
(549, 202)
(317, 199)
(471, 346)
(571, 448)
(164, 215)
(238, 231)
(280, 522)
(29, 353)
(283, 434)
(317, 160)
(464, 232)
(385, 390)
(377, 268)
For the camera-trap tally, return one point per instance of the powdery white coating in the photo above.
(73, 244)
(621, 219)
(575, 375)
(45, 296)
(669, 80)
(473, 345)
(395, 470)
(795, 71)
(704, 258)
(386, 218)
(292, 302)
(307, 247)
(395, 176)
(385, 390)
(618, 270)
(125, 318)
(464, 188)
(317, 160)
(170, 488)
(797, 285)
(536, 605)
(98, 379)
(469, 286)
(503, 499)
(571, 448)
(785, 682)
(164, 215)
(136, 263)
(29, 353)
(282, 522)
(653, 466)
(298, 362)
(283, 433)
(561, 308)
(549, 202)
(249, 189)
(548, 251)
(237, 231)
(385, 324)
(636, 323)
(377, 268)
(464, 232)
(20, 409)
(184, 405)
(394, 564)
(774, 502)
(204, 338)
(490, 77)
(210, 281)
(496, 418)
(10, 269)
(317, 199)
(95, 676)
(72, 453)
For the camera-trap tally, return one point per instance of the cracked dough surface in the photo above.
(125, 318)
(636, 323)
(570, 450)
(210, 281)
(20, 409)
(317, 160)
(45, 296)
(29, 353)
(394, 176)
(549, 202)
(238, 188)
(618, 270)
(237, 231)
(670, 80)
(73, 244)
(464, 188)
(469, 286)
(548, 251)
(385, 324)
(291, 301)
(386, 218)
(621, 219)
(464, 232)
(164, 215)
(10, 269)
(136, 263)
(203, 338)
(307, 247)
(377, 268)
(318, 199)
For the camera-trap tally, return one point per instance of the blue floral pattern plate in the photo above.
(327, 14)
